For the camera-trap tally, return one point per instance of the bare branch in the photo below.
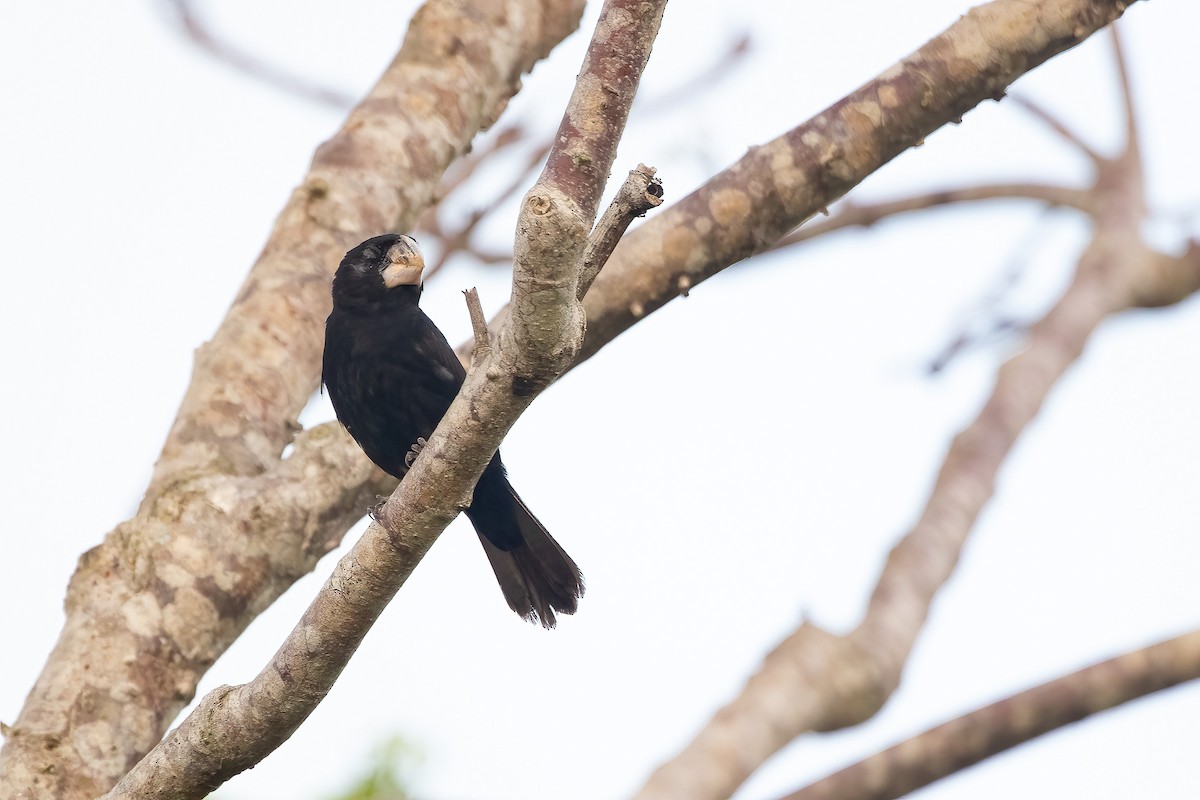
(174, 586)
(640, 192)
(458, 240)
(792, 177)
(234, 728)
(993, 729)
(483, 341)
(198, 33)
(1132, 140)
(582, 154)
(815, 681)
(455, 239)
(775, 187)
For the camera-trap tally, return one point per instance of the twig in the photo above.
(1127, 102)
(483, 341)
(988, 314)
(256, 68)
(235, 728)
(1058, 126)
(993, 729)
(640, 192)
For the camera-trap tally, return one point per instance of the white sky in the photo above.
(739, 459)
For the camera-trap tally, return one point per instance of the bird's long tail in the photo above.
(537, 576)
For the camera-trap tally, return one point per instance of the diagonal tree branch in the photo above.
(235, 727)
(640, 192)
(457, 237)
(227, 524)
(993, 729)
(815, 681)
(748, 207)
(777, 186)
(155, 585)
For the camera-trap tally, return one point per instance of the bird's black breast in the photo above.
(391, 375)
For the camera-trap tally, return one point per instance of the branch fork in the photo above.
(234, 728)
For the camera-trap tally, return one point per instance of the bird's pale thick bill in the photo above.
(405, 264)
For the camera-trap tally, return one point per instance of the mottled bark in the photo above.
(151, 608)
(773, 188)
(226, 524)
(233, 728)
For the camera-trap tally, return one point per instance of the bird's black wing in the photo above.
(391, 379)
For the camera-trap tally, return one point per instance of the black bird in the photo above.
(391, 375)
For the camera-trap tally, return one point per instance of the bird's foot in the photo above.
(414, 451)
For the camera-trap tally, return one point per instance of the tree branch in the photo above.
(815, 681)
(234, 728)
(640, 192)
(787, 180)
(993, 729)
(171, 588)
(747, 208)
(483, 340)
(457, 237)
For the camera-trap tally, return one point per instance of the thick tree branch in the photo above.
(815, 681)
(170, 589)
(993, 729)
(777, 186)
(234, 728)
(773, 188)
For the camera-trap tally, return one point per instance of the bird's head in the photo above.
(378, 265)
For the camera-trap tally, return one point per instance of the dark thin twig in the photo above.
(199, 35)
(1056, 125)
